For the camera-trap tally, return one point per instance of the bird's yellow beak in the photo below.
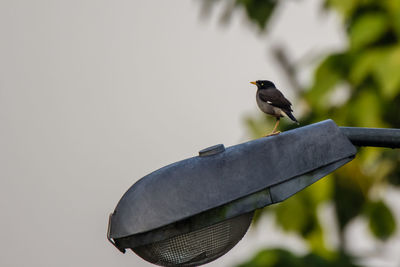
(254, 83)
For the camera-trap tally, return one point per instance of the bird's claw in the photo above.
(274, 133)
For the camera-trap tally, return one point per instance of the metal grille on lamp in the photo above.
(197, 247)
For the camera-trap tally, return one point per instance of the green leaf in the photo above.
(299, 214)
(258, 11)
(365, 109)
(394, 176)
(393, 9)
(284, 258)
(345, 7)
(292, 214)
(348, 195)
(367, 29)
(329, 73)
(365, 64)
(321, 191)
(272, 258)
(381, 220)
(316, 242)
(387, 72)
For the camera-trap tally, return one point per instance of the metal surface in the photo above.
(249, 203)
(377, 137)
(196, 186)
(287, 189)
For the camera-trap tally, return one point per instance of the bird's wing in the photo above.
(275, 98)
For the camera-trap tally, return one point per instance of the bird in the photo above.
(272, 102)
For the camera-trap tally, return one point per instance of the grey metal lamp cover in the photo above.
(225, 183)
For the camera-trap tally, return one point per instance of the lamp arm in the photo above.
(377, 137)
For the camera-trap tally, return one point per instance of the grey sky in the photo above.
(96, 94)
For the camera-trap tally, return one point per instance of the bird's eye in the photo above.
(262, 84)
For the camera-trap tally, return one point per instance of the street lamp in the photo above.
(193, 211)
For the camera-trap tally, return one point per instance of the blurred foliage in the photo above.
(358, 86)
(257, 11)
(381, 220)
(284, 258)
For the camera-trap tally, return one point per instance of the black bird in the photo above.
(272, 102)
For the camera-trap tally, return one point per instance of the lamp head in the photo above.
(194, 211)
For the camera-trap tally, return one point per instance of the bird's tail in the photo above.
(290, 115)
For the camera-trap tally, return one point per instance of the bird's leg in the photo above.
(276, 125)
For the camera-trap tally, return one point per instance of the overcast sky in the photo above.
(96, 94)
